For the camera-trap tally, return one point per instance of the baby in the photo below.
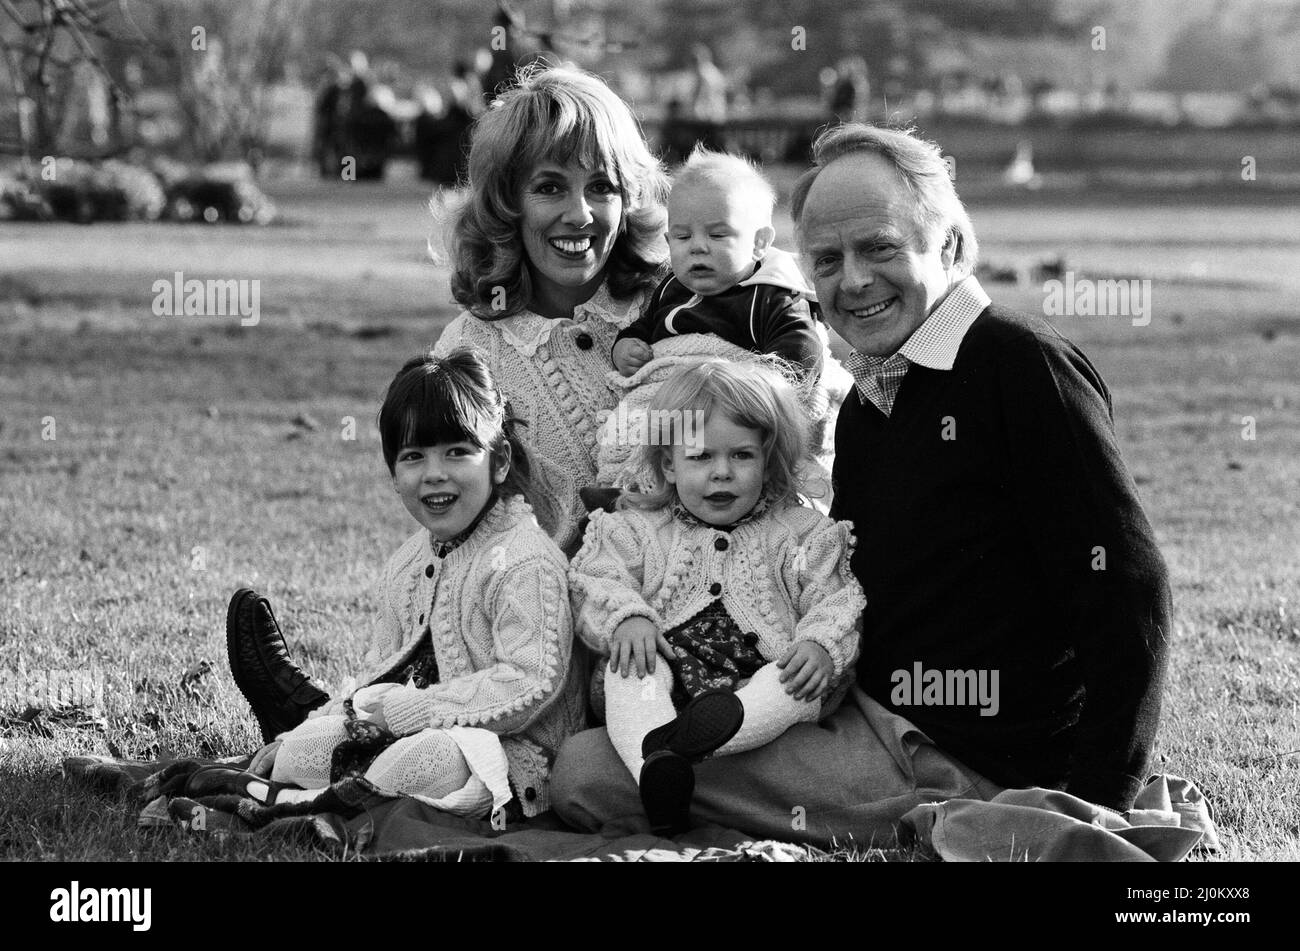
(731, 296)
(727, 278)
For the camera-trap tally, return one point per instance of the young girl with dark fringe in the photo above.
(467, 684)
(734, 603)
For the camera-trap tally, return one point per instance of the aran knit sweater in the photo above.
(497, 607)
(553, 374)
(1001, 532)
(783, 576)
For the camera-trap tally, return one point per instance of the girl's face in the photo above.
(446, 485)
(719, 476)
(571, 218)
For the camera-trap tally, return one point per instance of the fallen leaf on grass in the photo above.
(190, 679)
(43, 721)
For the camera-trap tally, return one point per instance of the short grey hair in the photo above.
(920, 164)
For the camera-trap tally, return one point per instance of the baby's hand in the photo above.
(806, 670)
(633, 644)
(631, 355)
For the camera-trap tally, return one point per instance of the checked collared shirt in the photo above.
(934, 344)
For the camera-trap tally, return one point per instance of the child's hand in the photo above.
(806, 670)
(368, 702)
(633, 644)
(264, 760)
(630, 355)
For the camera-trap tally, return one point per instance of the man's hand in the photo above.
(806, 670)
(630, 355)
(634, 644)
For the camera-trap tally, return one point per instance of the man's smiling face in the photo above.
(877, 275)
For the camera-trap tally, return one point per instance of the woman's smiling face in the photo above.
(571, 218)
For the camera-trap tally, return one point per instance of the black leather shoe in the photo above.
(667, 783)
(279, 691)
(706, 723)
(227, 780)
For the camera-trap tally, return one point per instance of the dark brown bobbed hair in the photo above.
(453, 398)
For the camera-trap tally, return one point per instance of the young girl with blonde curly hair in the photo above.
(732, 601)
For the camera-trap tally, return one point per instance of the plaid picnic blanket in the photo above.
(352, 816)
(1170, 818)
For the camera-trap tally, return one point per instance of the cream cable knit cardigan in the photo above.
(498, 609)
(558, 387)
(784, 576)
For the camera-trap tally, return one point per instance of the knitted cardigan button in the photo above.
(715, 589)
(720, 543)
(428, 571)
(584, 341)
(530, 794)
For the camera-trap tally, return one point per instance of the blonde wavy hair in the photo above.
(758, 394)
(558, 115)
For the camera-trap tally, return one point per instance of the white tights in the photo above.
(428, 763)
(636, 705)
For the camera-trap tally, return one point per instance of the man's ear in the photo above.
(951, 245)
(763, 239)
(501, 466)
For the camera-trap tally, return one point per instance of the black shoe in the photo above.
(667, 783)
(278, 690)
(706, 723)
(219, 780)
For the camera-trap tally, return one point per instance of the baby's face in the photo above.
(714, 236)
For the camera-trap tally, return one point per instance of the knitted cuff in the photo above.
(616, 617)
(407, 710)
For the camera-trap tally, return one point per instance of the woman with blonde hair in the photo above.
(553, 253)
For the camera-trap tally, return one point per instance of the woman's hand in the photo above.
(806, 670)
(630, 355)
(634, 644)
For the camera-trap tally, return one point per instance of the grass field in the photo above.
(177, 472)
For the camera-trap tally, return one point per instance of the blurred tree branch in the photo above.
(221, 76)
(43, 43)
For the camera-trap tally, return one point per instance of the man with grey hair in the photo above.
(998, 527)
(1017, 605)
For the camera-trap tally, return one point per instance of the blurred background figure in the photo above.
(501, 70)
(849, 96)
(708, 108)
(1020, 172)
(442, 129)
(709, 98)
(327, 131)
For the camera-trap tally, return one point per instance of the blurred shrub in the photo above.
(119, 191)
(84, 192)
(217, 200)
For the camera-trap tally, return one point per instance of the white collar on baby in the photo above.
(526, 331)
